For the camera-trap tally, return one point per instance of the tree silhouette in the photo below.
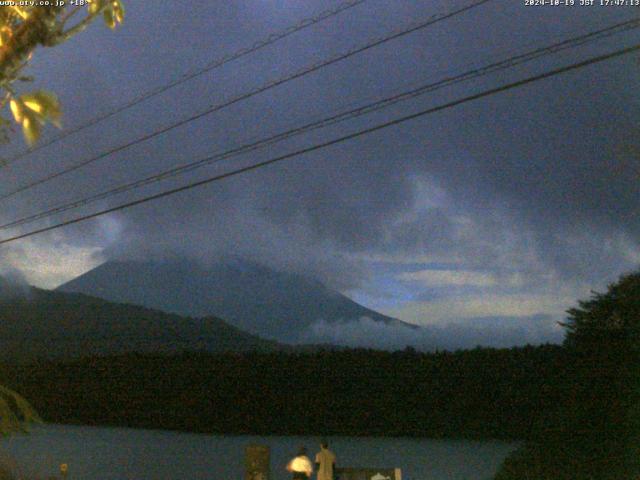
(594, 432)
(603, 336)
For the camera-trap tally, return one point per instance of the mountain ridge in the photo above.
(272, 304)
(38, 324)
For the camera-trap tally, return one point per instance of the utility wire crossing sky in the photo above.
(245, 96)
(335, 141)
(353, 113)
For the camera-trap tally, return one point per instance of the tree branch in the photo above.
(79, 27)
(38, 29)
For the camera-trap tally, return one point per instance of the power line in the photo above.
(258, 45)
(334, 141)
(415, 27)
(353, 113)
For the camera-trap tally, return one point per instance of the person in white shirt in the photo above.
(300, 466)
(325, 462)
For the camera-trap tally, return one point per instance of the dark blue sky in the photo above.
(495, 216)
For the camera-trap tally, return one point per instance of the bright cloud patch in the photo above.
(47, 266)
(443, 278)
(486, 305)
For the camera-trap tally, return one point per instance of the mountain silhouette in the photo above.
(37, 323)
(273, 304)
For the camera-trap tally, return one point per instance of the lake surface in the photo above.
(94, 453)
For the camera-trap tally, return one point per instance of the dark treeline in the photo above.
(480, 393)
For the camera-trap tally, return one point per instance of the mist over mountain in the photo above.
(37, 323)
(272, 304)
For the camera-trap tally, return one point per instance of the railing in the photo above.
(367, 473)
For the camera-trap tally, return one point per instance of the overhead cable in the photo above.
(335, 141)
(258, 45)
(327, 121)
(272, 84)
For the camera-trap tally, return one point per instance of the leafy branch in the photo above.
(22, 30)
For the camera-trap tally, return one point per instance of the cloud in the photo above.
(55, 258)
(529, 190)
(444, 278)
(442, 310)
(497, 331)
(47, 266)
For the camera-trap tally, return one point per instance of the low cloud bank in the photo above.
(498, 332)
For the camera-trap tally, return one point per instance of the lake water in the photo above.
(120, 454)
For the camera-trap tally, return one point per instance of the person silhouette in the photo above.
(300, 465)
(325, 462)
